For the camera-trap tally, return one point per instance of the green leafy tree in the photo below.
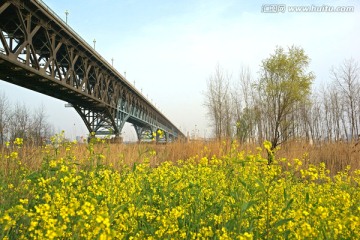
(284, 83)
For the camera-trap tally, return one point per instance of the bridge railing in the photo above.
(81, 39)
(75, 33)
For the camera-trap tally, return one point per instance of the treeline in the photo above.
(281, 104)
(18, 121)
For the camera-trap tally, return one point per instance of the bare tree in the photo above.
(218, 102)
(244, 112)
(19, 122)
(4, 117)
(313, 119)
(346, 78)
(40, 128)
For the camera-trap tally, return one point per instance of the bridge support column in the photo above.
(162, 136)
(167, 136)
(99, 122)
(144, 133)
(121, 118)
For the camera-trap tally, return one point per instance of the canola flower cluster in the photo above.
(235, 196)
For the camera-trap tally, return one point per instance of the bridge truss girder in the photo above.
(39, 51)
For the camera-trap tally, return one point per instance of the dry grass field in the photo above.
(336, 156)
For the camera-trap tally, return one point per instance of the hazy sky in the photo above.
(170, 48)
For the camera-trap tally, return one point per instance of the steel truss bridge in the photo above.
(39, 51)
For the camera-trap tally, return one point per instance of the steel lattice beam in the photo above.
(40, 52)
